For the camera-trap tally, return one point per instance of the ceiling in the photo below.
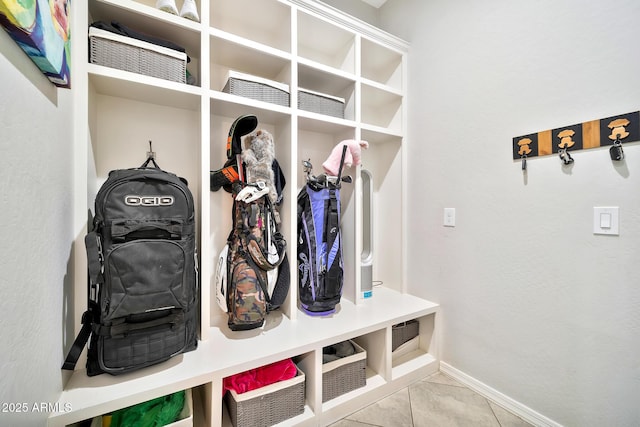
(375, 3)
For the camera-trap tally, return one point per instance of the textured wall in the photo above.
(36, 197)
(534, 305)
(356, 8)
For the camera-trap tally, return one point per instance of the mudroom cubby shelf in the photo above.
(143, 17)
(225, 353)
(237, 56)
(324, 42)
(254, 20)
(381, 65)
(304, 45)
(123, 84)
(382, 108)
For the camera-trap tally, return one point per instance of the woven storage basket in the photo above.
(403, 332)
(267, 405)
(320, 103)
(257, 88)
(343, 375)
(137, 56)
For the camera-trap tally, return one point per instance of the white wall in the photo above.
(533, 304)
(356, 8)
(36, 188)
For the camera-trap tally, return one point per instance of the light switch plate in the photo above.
(606, 220)
(449, 217)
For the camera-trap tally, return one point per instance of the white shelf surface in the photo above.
(323, 71)
(137, 87)
(382, 87)
(226, 353)
(316, 122)
(378, 134)
(229, 105)
(409, 363)
(249, 349)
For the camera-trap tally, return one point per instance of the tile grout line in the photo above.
(492, 411)
(410, 406)
(459, 385)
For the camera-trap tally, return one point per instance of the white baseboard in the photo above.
(498, 398)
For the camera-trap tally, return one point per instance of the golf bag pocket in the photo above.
(246, 298)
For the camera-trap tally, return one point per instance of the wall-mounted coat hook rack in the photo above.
(610, 131)
(615, 151)
(524, 151)
(565, 156)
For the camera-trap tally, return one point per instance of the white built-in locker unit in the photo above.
(302, 44)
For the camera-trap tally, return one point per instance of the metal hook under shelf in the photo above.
(151, 154)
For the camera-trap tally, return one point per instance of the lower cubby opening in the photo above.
(355, 375)
(415, 345)
(343, 369)
(247, 402)
(173, 410)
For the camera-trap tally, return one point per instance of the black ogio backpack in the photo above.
(143, 292)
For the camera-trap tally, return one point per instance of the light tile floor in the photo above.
(436, 401)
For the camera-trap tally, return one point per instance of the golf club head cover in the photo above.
(332, 165)
(242, 126)
(224, 177)
(228, 174)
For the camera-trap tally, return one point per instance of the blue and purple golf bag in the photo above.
(320, 266)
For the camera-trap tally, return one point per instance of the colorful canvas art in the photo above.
(41, 29)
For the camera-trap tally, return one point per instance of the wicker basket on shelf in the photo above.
(403, 332)
(320, 103)
(137, 56)
(257, 88)
(344, 375)
(267, 405)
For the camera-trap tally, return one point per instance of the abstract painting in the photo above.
(41, 29)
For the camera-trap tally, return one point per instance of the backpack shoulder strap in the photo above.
(79, 343)
(94, 264)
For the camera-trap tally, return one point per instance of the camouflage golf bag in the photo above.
(253, 278)
(255, 248)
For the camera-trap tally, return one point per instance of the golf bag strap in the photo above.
(258, 255)
(79, 343)
(332, 219)
(122, 327)
(281, 289)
